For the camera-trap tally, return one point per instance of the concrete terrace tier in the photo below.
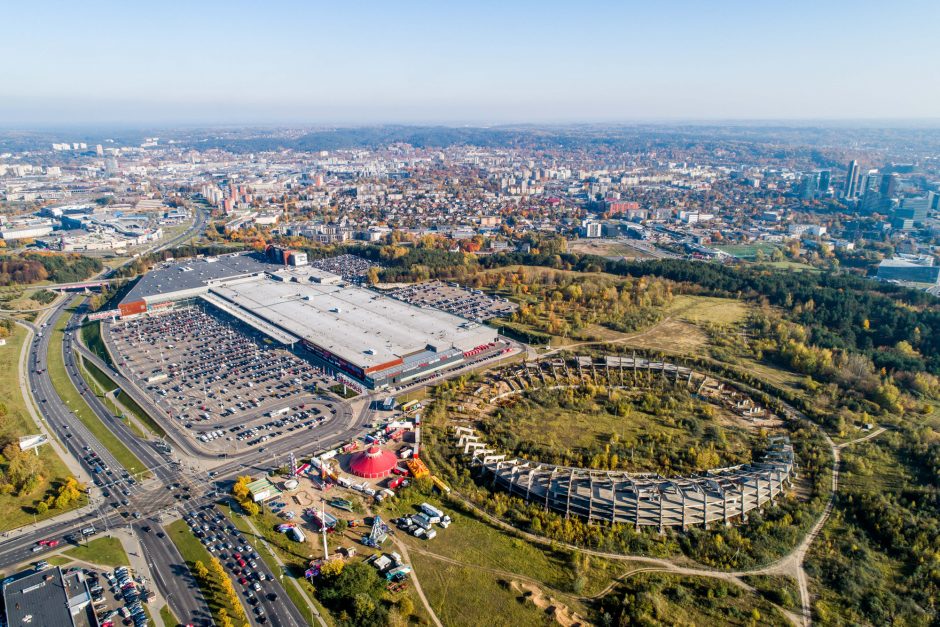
(717, 495)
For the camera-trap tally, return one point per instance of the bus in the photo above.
(411, 406)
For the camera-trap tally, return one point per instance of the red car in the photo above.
(243, 581)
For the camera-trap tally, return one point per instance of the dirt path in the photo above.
(619, 340)
(414, 579)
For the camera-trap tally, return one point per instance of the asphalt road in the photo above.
(173, 578)
(152, 499)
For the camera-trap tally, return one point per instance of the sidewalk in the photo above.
(141, 568)
(48, 522)
(71, 463)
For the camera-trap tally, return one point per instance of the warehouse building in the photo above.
(375, 340)
(909, 269)
(49, 598)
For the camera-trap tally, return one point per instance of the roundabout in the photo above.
(723, 494)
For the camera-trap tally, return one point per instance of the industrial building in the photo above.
(49, 598)
(375, 340)
(909, 269)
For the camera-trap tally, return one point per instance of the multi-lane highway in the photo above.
(177, 484)
(150, 499)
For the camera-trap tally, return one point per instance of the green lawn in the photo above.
(473, 542)
(468, 589)
(796, 266)
(19, 510)
(141, 415)
(166, 614)
(77, 404)
(91, 337)
(99, 381)
(101, 551)
(104, 382)
(747, 251)
(338, 390)
(193, 551)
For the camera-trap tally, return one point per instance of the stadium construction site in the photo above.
(722, 495)
(363, 338)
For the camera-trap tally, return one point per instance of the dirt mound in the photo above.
(554, 608)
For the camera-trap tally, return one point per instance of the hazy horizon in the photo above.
(295, 63)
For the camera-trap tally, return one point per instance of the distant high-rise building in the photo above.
(870, 182)
(914, 209)
(889, 185)
(850, 190)
(99, 150)
(808, 186)
(825, 182)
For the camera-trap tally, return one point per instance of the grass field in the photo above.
(707, 309)
(488, 562)
(783, 591)
(18, 510)
(478, 545)
(77, 404)
(99, 379)
(747, 251)
(796, 266)
(101, 551)
(132, 406)
(460, 595)
(657, 438)
(193, 551)
(607, 248)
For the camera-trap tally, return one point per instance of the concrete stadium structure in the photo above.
(719, 495)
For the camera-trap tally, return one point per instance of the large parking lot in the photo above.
(450, 297)
(228, 386)
(350, 267)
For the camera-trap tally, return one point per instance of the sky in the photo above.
(480, 62)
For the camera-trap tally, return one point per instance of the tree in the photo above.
(406, 606)
(201, 571)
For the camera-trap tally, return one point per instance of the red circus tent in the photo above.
(373, 463)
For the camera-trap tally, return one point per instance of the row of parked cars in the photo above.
(224, 540)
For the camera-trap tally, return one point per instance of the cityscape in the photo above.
(313, 325)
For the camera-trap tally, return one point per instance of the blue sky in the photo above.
(477, 62)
